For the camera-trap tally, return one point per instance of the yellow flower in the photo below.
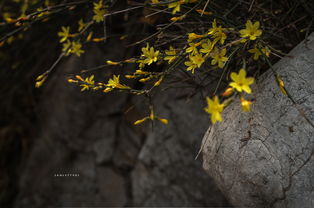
(241, 82)
(219, 57)
(171, 55)
(115, 83)
(98, 5)
(193, 48)
(99, 15)
(252, 30)
(66, 47)
(65, 33)
(141, 63)
(214, 108)
(89, 82)
(207, 47)
(99, 11)
(220, 36)
(214, 28)
(257, 52)
(81, 25)
(245, 104)
(76, 48)
(194, 62)
(150, 55)
(175, 6)
(198, 60)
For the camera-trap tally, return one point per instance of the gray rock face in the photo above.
(119, 164)
(78, 136)
(264, 158)
(166, 173)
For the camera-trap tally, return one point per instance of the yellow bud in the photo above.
(152, 115)
(40, 77)
(123, 37)
(140, 121)
(163, 120)
(281, 85)
(108, 89)
(129, 76)
(89, 37)
(98, 39)
(129, 61)
(38, 84)
(193, 36)
(145, 79)
(173, 19)
(112, 62)
(200, 11)
(79, 78)
(158, 82)
(141, 72)
(72, 81)
(245, 104)
(227, 92)
(9, 20)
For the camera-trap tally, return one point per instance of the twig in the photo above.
(162, 29)
(296, 105)
(208, 133)
(205, 7)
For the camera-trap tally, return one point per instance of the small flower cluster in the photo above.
(199, 48)
(72, 42)
(213, 45)
(99, 11)
(69, 46)
(240, 83)
(89, 83)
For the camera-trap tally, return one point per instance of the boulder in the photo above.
(264, 158)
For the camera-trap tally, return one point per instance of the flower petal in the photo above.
(246, 88)
(249, 80)
(234, 76)
(242, 73)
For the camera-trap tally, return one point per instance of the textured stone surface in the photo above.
(78, 136)
(119, 164)
(265, 158)
(166, 173)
